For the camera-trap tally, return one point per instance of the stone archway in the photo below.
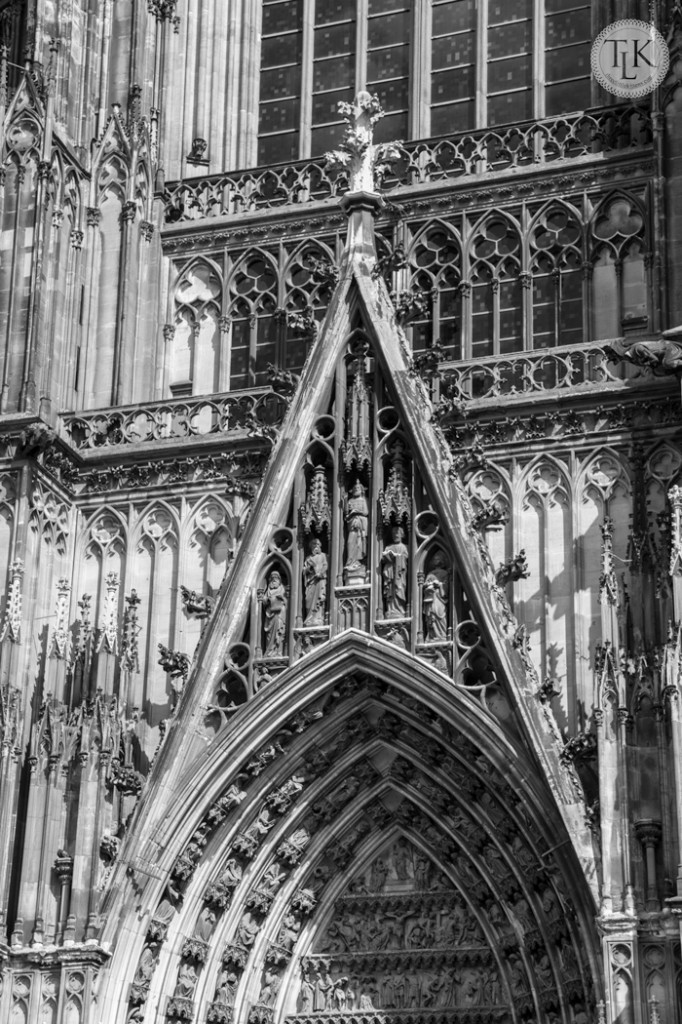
(278, 889)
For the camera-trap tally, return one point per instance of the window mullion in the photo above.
(308, 44)
(482, 65)
(420, 63)
(362, 13)
(539, 58)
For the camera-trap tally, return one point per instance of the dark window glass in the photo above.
(516, 106)
(388, 29)
(457, 84)
(282, 17)
(391, 63)
(326, 106)
(568, 62)
(336, 39)
(279, 115)
(569, 28)
(280, 82)
(278, 149)
(453, 117)
(567, 97)
(334, 73)
(281, 50)
(514, 73)
(510, 39)
(334, 10)
(452, 51)
(456, 16)
(509, 10)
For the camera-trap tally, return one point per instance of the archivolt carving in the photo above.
(398, 862)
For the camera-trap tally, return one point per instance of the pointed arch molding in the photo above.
(356, 745)
(193, 766)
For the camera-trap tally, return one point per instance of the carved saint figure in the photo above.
(324, 987)
(394, 575)
(435, 599)
(307, 995)
(275, 615)
(247, 930)
(357, 515)
(315, 578)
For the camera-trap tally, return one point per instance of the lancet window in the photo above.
(489, 62)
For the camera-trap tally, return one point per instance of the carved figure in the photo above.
(378, 875)
(307, 995)
(289, 932)
(402, 860)
(272, 982)
(340, 997)
(315, 576)
(187, 979)
(435, 599)
(357, 517)
(272, 878)
(247, 929)
(324, 986)
(394, 575)
(274, 615)
(226, 987)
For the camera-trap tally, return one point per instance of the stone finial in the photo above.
(364, 162)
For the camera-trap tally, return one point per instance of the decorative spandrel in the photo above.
(403, 940)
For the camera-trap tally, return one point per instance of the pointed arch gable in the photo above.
(267, 744)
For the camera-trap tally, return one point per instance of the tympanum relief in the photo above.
(401, 939)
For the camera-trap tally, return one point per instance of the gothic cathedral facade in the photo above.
(340, 515)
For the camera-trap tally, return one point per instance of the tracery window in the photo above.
(436, 263)
(497, 325)
(439, 66)
(556, 266)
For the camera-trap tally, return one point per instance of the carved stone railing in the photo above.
(248, 413)
(466, 154)
(547, 371)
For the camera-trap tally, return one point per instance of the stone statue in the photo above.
(307, 995)
(435, 599)
(394, 575)
(274, 615)
(315, 578)
(247, 929)
(226, 987)
(357, 517)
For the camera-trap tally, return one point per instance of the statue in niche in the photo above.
(288, 933)
(187, 980)
(226, 987)
(271, 985)
(357, 518)
(435, 599)
(274, 615)
(247, 930)
(394, 576)
(402, 860)
(315, 578)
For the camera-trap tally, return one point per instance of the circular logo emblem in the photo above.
(630, 58)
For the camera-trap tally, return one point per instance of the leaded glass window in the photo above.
(438, 66)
